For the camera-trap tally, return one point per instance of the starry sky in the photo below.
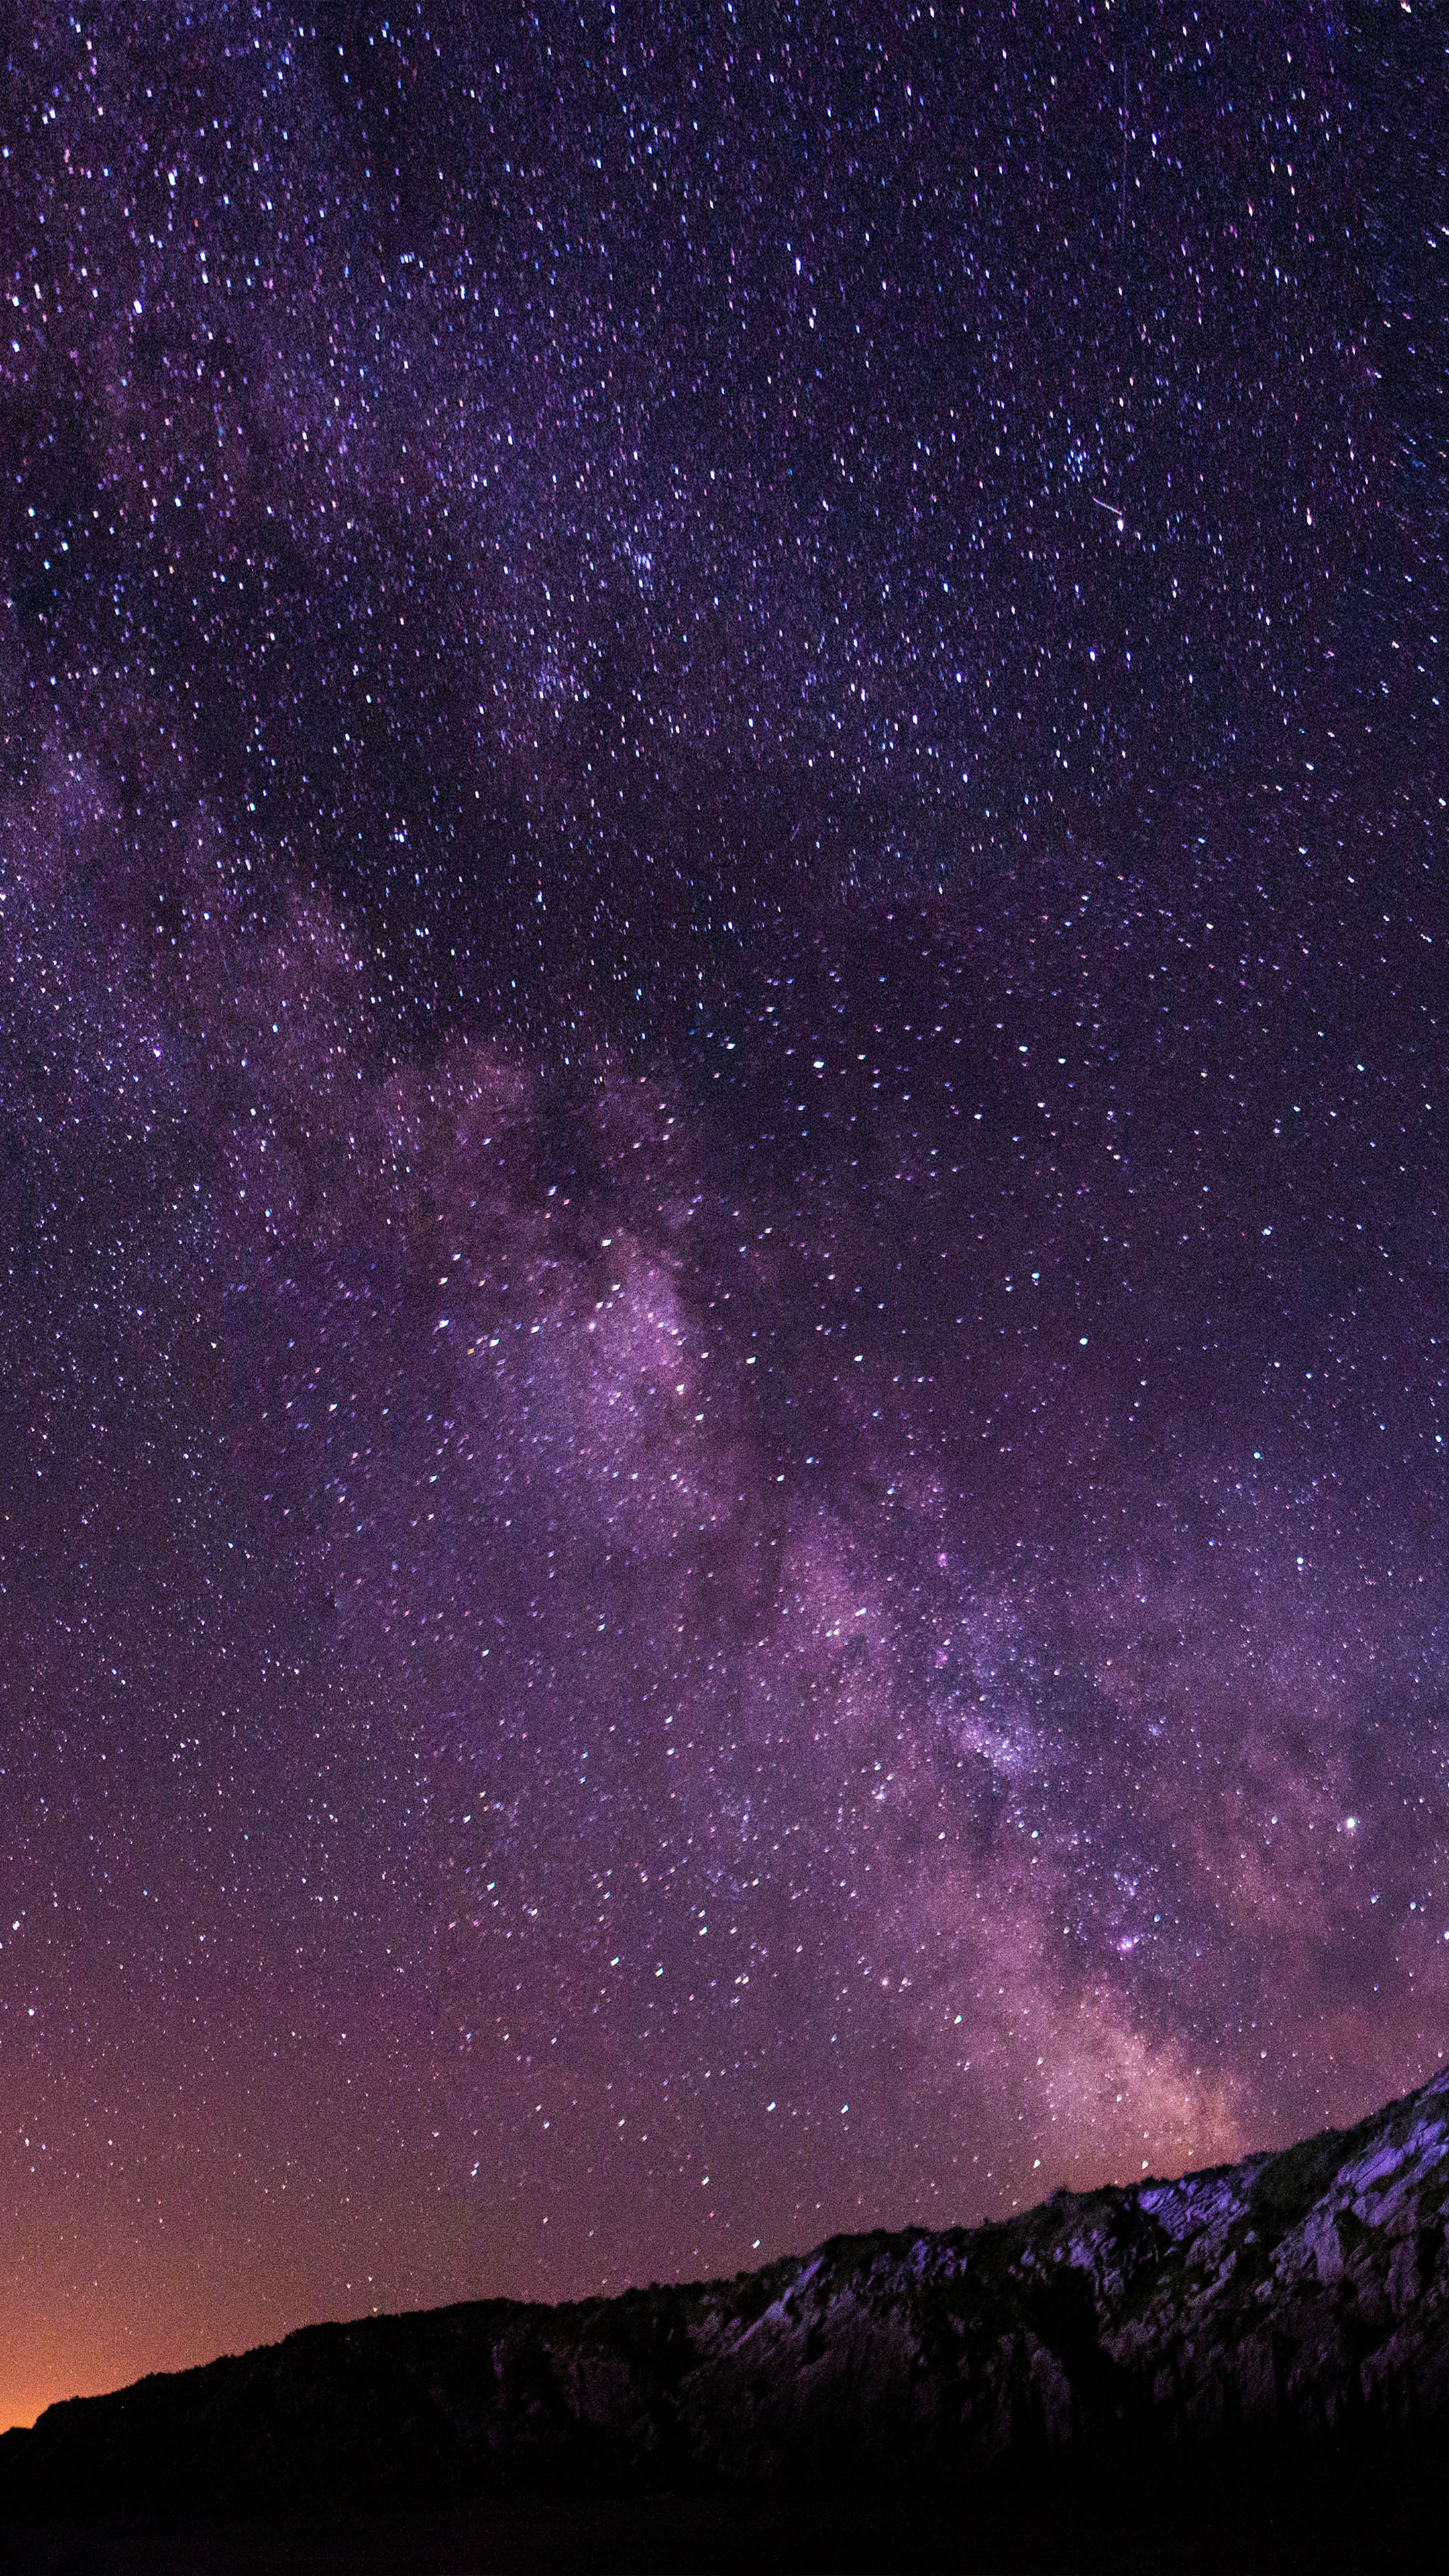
(723, 1093)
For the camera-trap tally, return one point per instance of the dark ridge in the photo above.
(1246, 2335)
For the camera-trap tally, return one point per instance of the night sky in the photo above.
(724, 1077)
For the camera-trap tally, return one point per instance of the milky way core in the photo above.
(723, 1099)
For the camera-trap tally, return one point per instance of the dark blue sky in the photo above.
(722, 1090)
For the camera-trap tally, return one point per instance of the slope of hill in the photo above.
(1296, 2299)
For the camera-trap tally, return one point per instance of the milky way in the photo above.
(723, 1078)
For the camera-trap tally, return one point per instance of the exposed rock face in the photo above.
(1304, 2292)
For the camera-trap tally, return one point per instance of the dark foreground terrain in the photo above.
(1262, 2518)
(1246, 2368)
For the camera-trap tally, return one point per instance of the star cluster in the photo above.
(722, 1106)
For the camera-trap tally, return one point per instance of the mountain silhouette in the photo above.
(1268, 2337)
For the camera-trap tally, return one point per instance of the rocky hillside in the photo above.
(1306, 2292)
